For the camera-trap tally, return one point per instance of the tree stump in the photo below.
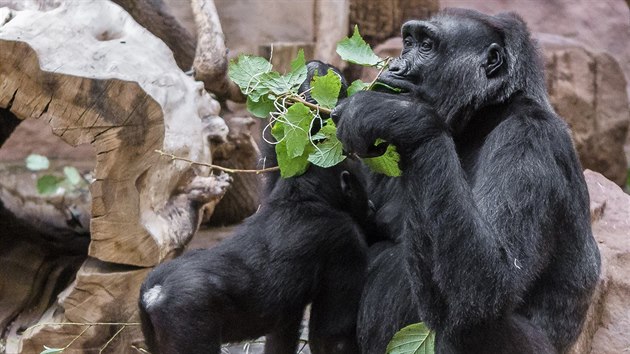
(97, 77)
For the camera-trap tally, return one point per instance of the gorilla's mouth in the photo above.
(392, 83)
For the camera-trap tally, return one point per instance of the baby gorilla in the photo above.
(304, 245)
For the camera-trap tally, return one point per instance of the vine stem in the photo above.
(220, 168)
(111, 339)
(77, 337)
(298, 99)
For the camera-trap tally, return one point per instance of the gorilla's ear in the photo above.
(494, 59)
(346, 182)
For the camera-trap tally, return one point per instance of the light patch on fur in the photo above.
(152, 296)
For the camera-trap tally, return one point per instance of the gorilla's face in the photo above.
(446, 61)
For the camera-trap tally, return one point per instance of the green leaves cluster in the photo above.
(54, 184)
(413, 339)
(302, 135)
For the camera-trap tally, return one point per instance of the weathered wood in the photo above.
(150, 15)
(79, 91)
(331, 25)
(58, 221)
(240, 152)
(211, 64)
(102, 292)
(43, 241)
(380, 20)
(97, 77)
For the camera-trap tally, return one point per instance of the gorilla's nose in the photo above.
(396, 67)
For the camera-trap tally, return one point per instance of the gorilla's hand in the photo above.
(368, 116)
(317, 68)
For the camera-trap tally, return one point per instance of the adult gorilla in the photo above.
(496, 227)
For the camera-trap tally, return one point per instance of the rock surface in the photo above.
(608, 323)
(602, 25)
(586, 88)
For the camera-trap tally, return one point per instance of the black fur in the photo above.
(304, 245)
(496, 232)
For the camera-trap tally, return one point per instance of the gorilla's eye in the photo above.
(427, 45)
(407, 42)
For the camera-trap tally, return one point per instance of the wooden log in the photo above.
(97, 77)
(211, 64)
(107, 82)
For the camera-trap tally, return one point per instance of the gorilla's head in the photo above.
(462, 60)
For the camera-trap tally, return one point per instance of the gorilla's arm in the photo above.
(475, 238)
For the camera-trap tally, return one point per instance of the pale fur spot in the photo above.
(152, 296)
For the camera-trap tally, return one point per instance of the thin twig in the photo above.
(83, 324)
(111, 339)
(387, 60)
(77, 337)
(220, 168)
(297, 99)
(141, 350)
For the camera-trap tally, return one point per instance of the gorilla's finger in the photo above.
(337, 112)
(377, 150)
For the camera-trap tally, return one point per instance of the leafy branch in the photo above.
(302, 134)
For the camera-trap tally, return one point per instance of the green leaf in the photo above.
(277, 83)
(48, 184)
(260, 108)
(327, 154)
(246, 72)
(258, 93)
(291, 166)
(72, 175)
(296, 128)
(298, 72)
(325, 89)
(356, 86)
(35, 162)
(413, 339)
(387, 163)
(357, 51)
(289, 83)
(393, 89)
(52, 350)
(277, 131)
